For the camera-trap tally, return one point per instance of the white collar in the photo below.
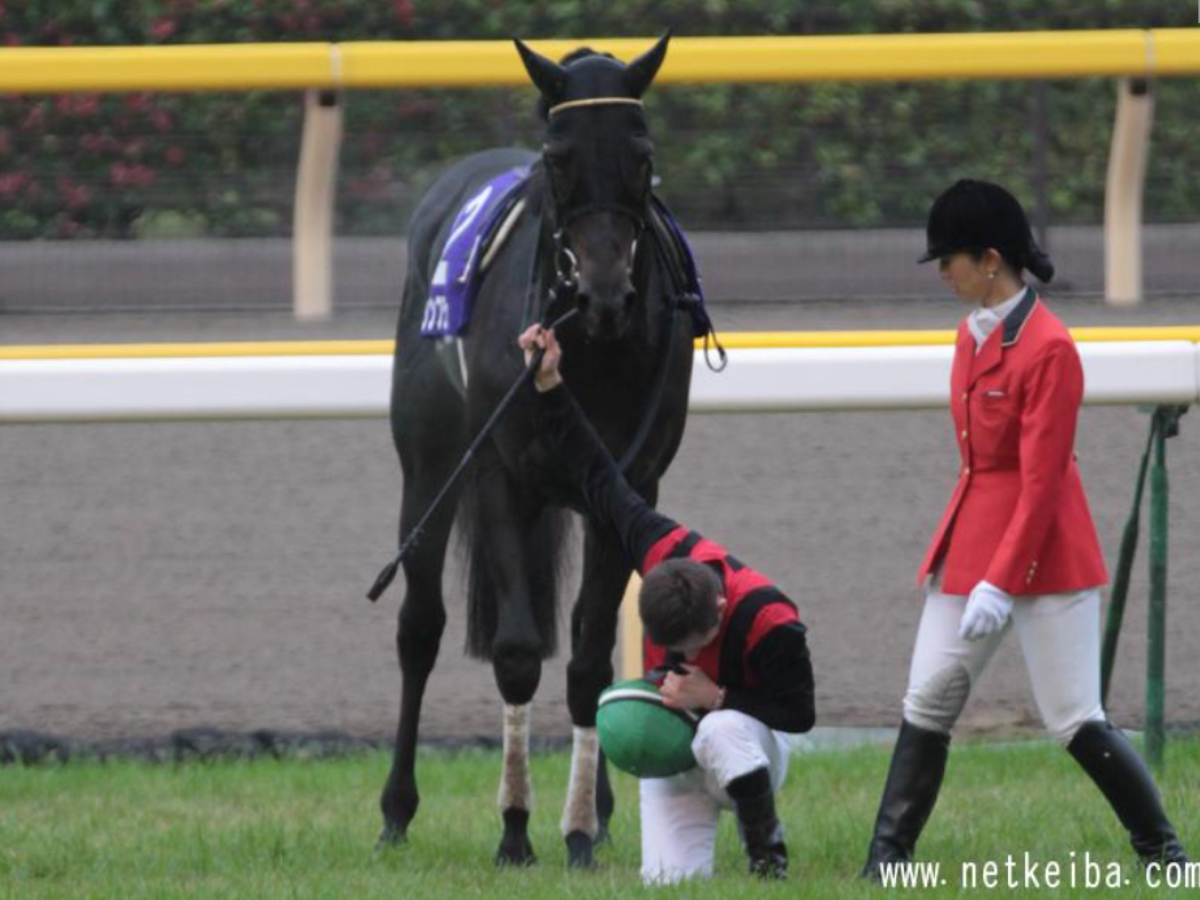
(983, 321)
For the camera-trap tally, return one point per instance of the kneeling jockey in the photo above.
(732, 642)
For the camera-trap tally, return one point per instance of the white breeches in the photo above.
(1059, 636)
(679, 814)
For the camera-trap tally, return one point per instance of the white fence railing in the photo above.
(359, 385)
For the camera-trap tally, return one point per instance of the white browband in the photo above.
(594, 101)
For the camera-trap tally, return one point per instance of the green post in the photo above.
(1156, 631)
(1120, 589)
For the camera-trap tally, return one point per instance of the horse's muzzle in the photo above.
(606, 314)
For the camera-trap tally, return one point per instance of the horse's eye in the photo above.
(556, 154)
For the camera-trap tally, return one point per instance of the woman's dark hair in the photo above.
(679, 599)
(1031, 258)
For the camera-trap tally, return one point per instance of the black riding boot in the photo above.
(1103, 751)
(754, 801)
(915, 776)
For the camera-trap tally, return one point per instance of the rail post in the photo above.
(1167, 426)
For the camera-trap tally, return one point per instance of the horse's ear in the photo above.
(548, 75)
(640, 72)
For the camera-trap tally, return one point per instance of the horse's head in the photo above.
(598, 161)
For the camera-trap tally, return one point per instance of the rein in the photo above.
(660, 377)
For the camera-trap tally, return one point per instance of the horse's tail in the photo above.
(547, 565)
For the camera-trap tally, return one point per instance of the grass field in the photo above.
(301, 829)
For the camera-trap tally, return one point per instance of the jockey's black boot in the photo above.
(754, 800)
(913, 781)
(1103, 751)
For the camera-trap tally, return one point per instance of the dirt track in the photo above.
(157, 577)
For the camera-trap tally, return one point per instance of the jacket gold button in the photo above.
(964, 434)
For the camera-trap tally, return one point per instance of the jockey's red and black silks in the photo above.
(754, 606)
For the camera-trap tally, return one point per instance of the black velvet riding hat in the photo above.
(977, 215)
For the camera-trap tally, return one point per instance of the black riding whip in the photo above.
(389, 571)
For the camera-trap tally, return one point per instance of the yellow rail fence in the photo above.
(1135, 53)
(758, 340)
(325, 70)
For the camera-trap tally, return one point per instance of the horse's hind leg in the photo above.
(422, 620)
(593, 634)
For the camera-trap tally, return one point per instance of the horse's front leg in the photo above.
(505, 540)
(593, 634)
(422, 620)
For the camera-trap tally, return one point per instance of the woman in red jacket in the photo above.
(1016, 548)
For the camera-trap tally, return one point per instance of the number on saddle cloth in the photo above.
(458, 273)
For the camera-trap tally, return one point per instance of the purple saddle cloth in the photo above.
(456, 278)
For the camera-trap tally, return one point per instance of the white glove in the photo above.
(988, 608)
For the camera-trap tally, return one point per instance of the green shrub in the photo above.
(770, 156)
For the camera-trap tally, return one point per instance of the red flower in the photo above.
(164, 28)
(35, 119)
(130, 174)
(12, 40)
(405, 12)
(94, 143)
(175, 155)
(86, 104)
(68, 227)
(138, 102)
(12, 182)
(73, 195)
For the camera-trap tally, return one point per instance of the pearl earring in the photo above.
(991, 275)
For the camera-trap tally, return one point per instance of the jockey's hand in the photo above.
(535, 337)
(695, 690)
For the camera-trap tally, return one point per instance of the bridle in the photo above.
(569, 273)
(592, 101)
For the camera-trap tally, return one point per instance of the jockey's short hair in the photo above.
(679, 599)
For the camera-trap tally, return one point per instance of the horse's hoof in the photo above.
(579, 851)
(520, 855)
(390, 838)
(515, 849)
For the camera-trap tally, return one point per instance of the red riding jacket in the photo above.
(1018, 517)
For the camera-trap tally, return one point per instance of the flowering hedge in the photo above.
(732, 156)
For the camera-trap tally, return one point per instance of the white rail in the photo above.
(351, 386)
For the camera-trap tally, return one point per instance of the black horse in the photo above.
(588, 222)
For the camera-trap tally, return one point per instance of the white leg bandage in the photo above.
(579, 813)
(516, 788)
